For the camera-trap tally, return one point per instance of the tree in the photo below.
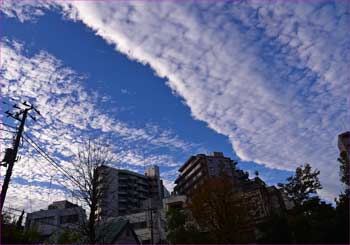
(65, 237)
(275, 230)
(313, 222)
(85, 181)
(180, 229)
(344, 169)
(300, 186)
(218, 210)
(342, 219)
(12, 233)
(342, 203)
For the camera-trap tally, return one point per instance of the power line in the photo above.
(45, 155)
(50, 160)
(14, 209)
(44, 168)
(39, 221)
(5, 139)
(6, 130)
(7, 125)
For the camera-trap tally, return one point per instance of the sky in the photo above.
(264, 82)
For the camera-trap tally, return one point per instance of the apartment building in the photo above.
(199, 167)
(126, 192)
(261, 200)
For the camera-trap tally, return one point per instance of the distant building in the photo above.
(126, 192)
(123, 192)
(136, 197)
(261, 200)
(199, 167)
(60, 216)
(175, 201)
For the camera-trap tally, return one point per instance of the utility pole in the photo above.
(11, 153)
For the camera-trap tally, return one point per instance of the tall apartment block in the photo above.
(125, 192)
(199, 167)
(261, 200)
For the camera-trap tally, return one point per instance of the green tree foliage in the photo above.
(302, 185)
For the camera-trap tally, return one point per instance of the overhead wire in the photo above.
(40, 221)
(30, 190)
(54, 164)
(5, 139)
(60, 182)
(6, 130)
(50, 160)
(7, 125)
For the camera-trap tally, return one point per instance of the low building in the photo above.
(149, 225)
(175, 201)
(60, 216)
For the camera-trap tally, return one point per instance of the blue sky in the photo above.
(262, 82)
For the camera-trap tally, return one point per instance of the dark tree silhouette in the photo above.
(219, 211)
(85, 182)
(300, 186)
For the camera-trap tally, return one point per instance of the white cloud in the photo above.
(68, 114)
(33, 197)
(271, 77)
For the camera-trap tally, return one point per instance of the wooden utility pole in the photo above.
(11, 154)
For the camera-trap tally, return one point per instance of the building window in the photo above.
(45, 221)
(139, 225)
(69, 219)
